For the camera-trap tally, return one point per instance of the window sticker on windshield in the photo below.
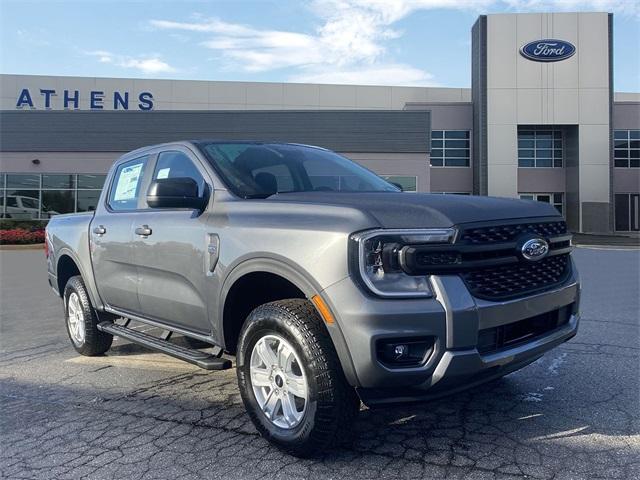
(163, 173)
(128, 183)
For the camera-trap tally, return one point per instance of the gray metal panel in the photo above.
(347, 131)
(479, 98)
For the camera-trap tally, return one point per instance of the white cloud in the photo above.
(377, 74)
(146, 64)
(350, 42)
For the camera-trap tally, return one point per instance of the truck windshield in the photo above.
(253, 170)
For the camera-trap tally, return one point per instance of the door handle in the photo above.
(100, 230)
(144, 231)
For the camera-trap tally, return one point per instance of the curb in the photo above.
(33, 246)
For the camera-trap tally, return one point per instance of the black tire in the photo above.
(332, 403)
(94, 342)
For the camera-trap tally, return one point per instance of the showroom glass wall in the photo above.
(40, 196)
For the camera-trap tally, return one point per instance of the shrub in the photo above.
(20, 236)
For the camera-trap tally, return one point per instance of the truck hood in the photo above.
(422, 210)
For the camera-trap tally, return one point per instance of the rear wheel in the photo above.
(290, 378)
(82, 320)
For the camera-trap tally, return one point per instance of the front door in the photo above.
(111, 238)
(170, 249)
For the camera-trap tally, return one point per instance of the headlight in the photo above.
(377, 254)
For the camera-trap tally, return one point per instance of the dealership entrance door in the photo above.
(627, 212)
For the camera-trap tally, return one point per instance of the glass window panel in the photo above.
(325, 182)
(436, 162)
(456, 143)
(126, 186)
(456, 134)
(2, 178)
(173, 164)
(58, 181)
(543, 153)
(55, 202)
(436, 153)
(543, 162)
(621, 162)
(526, 135)
(408, 183)
(91, 181)
(525, 162)
(22, 204)
(437, 144)
(621, 144)
(557, 144)
(634, 153)
(557, 162)
(544, 135)
(457, 162)
(436, 134)
(1, 203)
(544, 143)
(634, 134)
(621, 134)
(543, 198)
(525, 153)
(526, 196)
(621, 153)
(557, 198)
(23, 181)
(557, 153)
(87, 200)
(634, 144)
(557, 134)
(525, 143)
(457, 153)
(634, 162)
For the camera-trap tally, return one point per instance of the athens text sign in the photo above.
(50, 99)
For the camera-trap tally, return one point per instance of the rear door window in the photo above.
(125, 188)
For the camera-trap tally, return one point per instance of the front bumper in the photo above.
(453, 319)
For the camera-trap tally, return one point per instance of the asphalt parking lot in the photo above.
(575, 413)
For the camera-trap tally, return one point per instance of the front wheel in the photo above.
(290, 378)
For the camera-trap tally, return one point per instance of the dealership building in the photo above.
(540, 121)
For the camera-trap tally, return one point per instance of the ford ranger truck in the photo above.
(328, 284)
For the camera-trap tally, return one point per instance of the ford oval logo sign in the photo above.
(535, 249)
(549, 50)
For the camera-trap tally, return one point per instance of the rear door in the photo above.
(170, 250)
(111, 237)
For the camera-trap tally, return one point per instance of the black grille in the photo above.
(507, 233)
(512, 280)
(516, 333)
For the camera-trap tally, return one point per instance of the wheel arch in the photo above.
(294, 276)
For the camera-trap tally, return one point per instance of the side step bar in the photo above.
(196, 357)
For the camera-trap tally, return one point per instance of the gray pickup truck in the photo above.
(329, 285)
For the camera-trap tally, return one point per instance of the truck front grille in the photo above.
(515, 279)
(511, 335)
(508, 233)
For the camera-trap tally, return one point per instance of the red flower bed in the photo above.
(20, 236)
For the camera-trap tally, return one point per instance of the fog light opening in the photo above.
(404, 352)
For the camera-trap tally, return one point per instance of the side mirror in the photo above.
(177, 192)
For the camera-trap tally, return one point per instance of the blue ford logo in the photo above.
(534, 249)
(549, 50)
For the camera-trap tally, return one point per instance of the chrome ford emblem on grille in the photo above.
(535, 249)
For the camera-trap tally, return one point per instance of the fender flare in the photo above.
(87, 279)
(295, 274)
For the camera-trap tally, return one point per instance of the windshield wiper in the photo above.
(248, 196)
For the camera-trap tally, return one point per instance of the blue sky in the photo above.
(379, 42)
